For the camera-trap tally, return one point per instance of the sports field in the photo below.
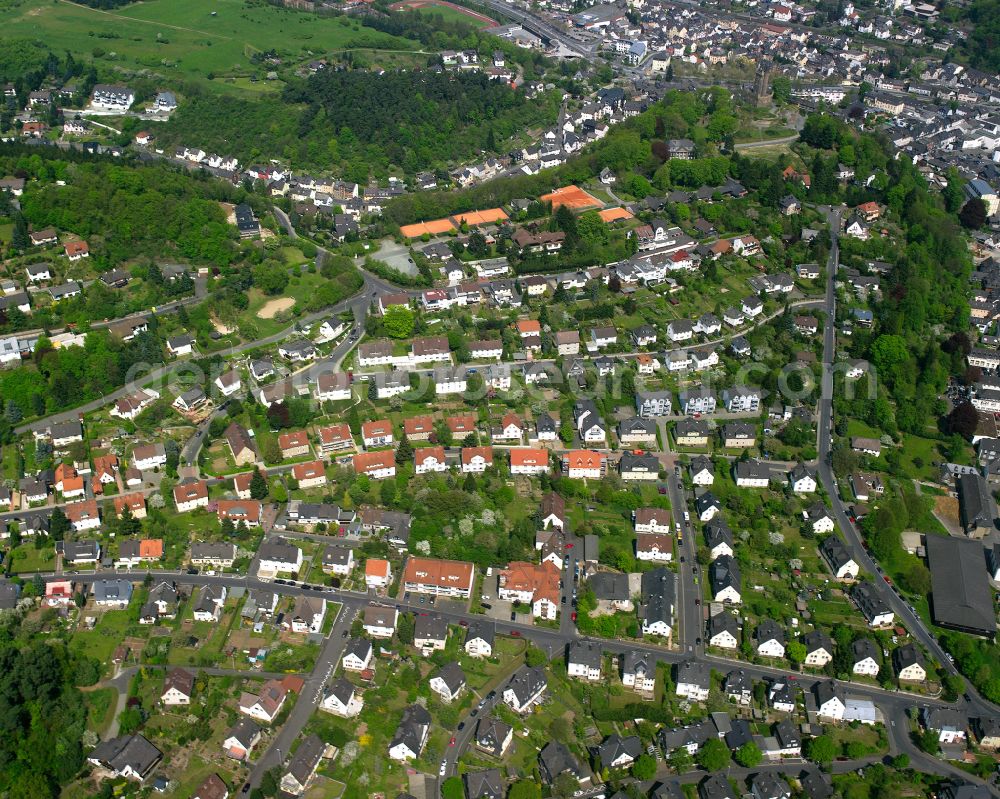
(450, 12)
(183, 36)
(614, 214)
(573, 197)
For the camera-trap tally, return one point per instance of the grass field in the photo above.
(447, 12)
(183, 37)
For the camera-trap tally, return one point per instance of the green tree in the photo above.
(404, 452)
(258, 485)
(19, 237)
(928, 742)
(644, 767)
(58, 524)
(533, 656)
(796, 651)
(272, 452)
(398, 321)
(713, 756)
(592, 229)
(565, 785)
(821, 749)
(681, 761)
(748, 755)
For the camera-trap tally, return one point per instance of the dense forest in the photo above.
(361, 122)
(126, 210)
(43, 718)
(982, 48)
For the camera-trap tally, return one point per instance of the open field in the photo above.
(449, 11)
(189, 38)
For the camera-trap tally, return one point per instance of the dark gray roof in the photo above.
(486, 784)
(491, 733)
(659, 588)
(430, 627)
(870, 603)
(343, 690)
(694, 673)
(9, 593)
(768, 630)
(976, 505)
(706, 501)
(244, 731)
(555, 759)
(738, 681)
(306, 758)
(697, 733)
(127, 751)
(816, 785)
(740, 733)
(724, 572)
(960, 592)
(359, 647)
(835, 551)
(716, 786)
(586, 653)
(816, 640)
(864, 648)
(610, 586)
(718, 532)
(907, 655)
(614, 746)
(526, 682)
(787, 735)
(644, 462)
(482, 630)
(767, 785)
(452, 675)
(411, 728)
(724, 622)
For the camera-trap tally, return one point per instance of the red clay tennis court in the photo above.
(487, 217)
(614, 214)
(573, 197)
(433, 228)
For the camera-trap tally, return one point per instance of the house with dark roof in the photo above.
(493, 736)
(716, 786)
(408, 741)
(618, 752)
(525, 688)
(977, 509)
(300, 770)
(485, 784)
(448, 682)
(130, 756)
(555, 759)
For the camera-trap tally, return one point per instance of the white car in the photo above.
(443, 769)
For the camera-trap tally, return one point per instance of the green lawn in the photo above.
(189, 38)
(449, 14)
(9, 468)
(26, 558)
(101, 642)
(855, 427)
(100, 708)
